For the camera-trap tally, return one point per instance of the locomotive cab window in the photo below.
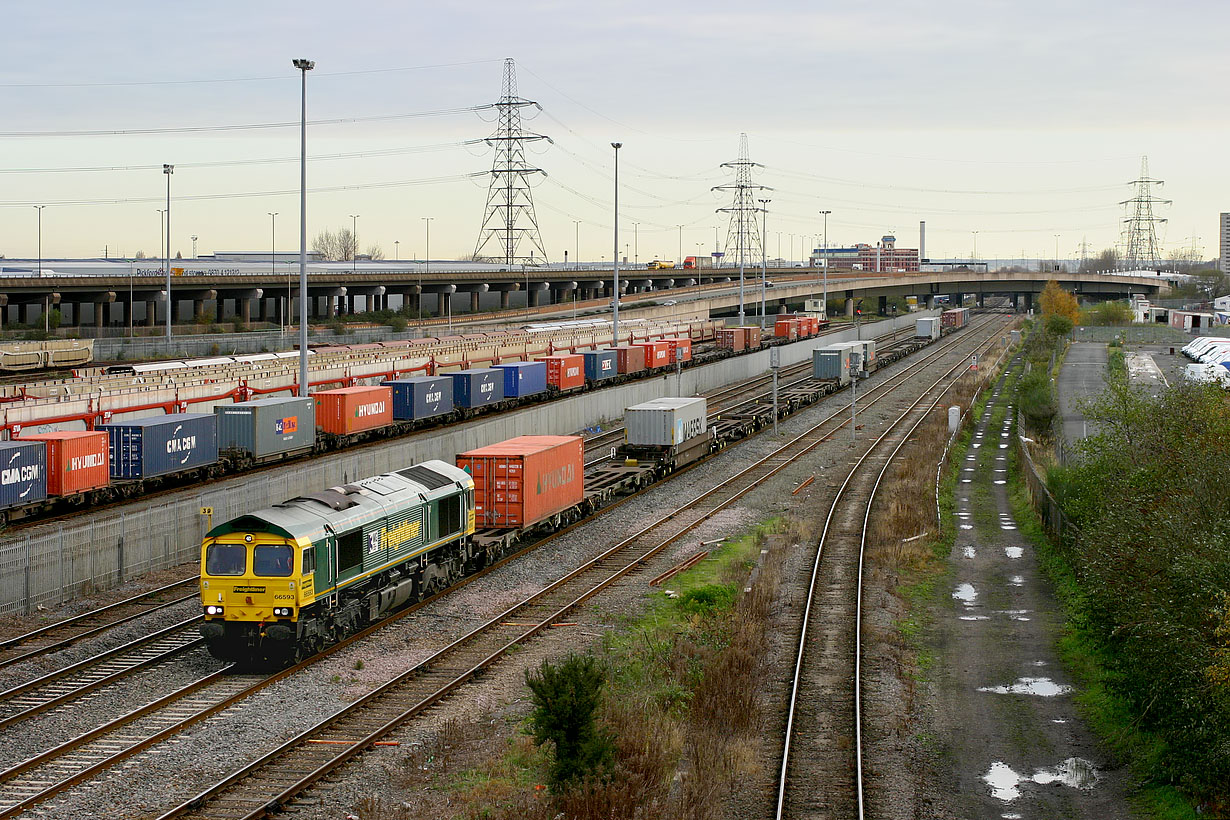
(272, 560)
(226, 559)
(309, 560)
(450, 515)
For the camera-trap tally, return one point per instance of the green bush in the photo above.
(1058, 325)
(1037, 399)
(566, 700)
(397, 323)
(707, 599)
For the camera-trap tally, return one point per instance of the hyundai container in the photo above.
(657, 354)
(831, 364)
(600, 364)
(477, 388)
(267, 428)
(161, 445)
(665, 422)
(23, 473)
(681, 349)
(76, 460)
(565, 371)
(523, 379)
(630, 358)
(421, 397)
(927, 327)
(353, 409)
(525, 480)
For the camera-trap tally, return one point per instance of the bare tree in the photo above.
(375, 252)
(334, 247)
(140, 255)
(1106, 260)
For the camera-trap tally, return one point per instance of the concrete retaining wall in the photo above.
(51, 563)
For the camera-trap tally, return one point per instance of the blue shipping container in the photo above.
(477, 388)
(523, 378)
(161, 445)
(601, 364)
(421, 397)
(23, 473)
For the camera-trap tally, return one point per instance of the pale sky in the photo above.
(1018, 120)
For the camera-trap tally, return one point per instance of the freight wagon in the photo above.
(670, 432)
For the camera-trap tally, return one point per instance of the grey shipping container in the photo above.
(421, 397)
(601, 364)
(161, 445)
(927, 327)
(477, 388)
(831, 363)
(267, 428)
(665, 422)
(23, 473)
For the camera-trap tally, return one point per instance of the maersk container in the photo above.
(927, 328)
(600, 364)
(477, 388)
(77, 460)
(523, 379)
(665, 422)
(267, 427)
(525, 480)
(23, 473)
(421, 397)
(161, 445)
(831, 364)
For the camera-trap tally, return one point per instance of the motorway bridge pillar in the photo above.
(247, 310)
(532, 298)
(850, 307)
(198, 307)
(151, 313)
(442, 304)
(981, 299)
(1029, 301)
(330, 306)
(883, 306)
(505, 299)
(474, 301)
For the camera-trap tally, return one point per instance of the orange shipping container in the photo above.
(77, 460)
(565, 371)
(752, 336)
(786, 328)
(731, 338)
(630, 358)
(681, 349)
(657, 354)
(353, 409)
(525, 480)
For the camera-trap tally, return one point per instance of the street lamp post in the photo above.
(304, 67)
(354, 241)
(576, 240)
(46, 299)
(167, 170)
(764, 258)
(427, 266)
(1057, 251)
(679, 259)
(194, 246)
(615, 269)
(396, 249)
(636, 244)
(975, 233)
(825, 303)
(273, 263)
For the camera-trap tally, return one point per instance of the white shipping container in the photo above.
(927, 327)
(666, 422)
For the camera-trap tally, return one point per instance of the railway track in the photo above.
(61, 634)
(822, 774)
(270, 783)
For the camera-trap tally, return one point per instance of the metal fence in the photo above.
(1056, 523)
(1143, 334)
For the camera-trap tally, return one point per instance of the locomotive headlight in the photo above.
(213, 610)
(283, 611)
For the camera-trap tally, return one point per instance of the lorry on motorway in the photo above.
(660, 264)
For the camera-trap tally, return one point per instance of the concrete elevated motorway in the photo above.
(116, 292)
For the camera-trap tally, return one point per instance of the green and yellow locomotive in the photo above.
(282, 583)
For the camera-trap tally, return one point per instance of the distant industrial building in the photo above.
(884, 258)
(1224, 234)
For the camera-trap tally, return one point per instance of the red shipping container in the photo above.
(752, 337)
(786, 328)
(732, 338)
(629, 358)
(657, 354)
(522, 481)
(353, 409)
(77, 460)
(681, 349)
(565, 371)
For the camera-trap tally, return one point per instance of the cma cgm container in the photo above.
(161, 445)
(629, 358)
(523, 379)
(76, 460)
(732, 338)
(600, 364)
(267, 428)
(681, 349)
(786, 329)
(565, 371)
(477, 388)
(657, 354)
(927, 327)
(421, 397)
(353, 409)
(665, 422)
(522, 481)
(23, 473)
(831, 364)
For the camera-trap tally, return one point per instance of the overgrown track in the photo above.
(61, 634)
(821, 774)
(269, 784)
